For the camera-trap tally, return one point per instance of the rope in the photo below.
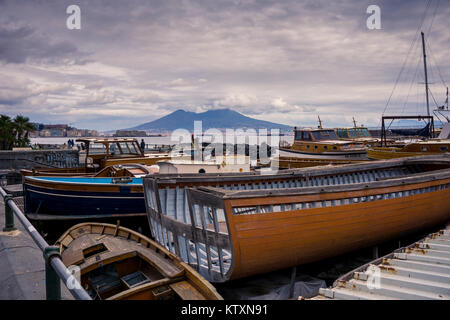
(407, 56)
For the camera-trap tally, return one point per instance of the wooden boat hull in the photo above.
(241, 227)
(117, 263)
(382, 153)
(349, 155)
(65, 197)
(59, 172)
(296, 162)
(315, 234)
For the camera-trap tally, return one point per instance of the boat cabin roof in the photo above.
(112, 147)
(105, 140)
(315, 134)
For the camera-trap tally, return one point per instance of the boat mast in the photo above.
(446, 100)
(426, 74)
(320, 122)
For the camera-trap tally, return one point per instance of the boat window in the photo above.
(424, 148)
(352, 133)
(306, 136)
(135, 148)
(342, 133)
(97, 148)
(363, 132)
(325, 147)
(324, 135)
(302, 135)
(127, 148)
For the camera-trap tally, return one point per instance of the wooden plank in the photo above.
(186, 291)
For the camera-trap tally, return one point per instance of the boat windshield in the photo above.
(324, 135)
(342, 133)
(363, 132)
(124, 148)
(302, 135)
(97, 148)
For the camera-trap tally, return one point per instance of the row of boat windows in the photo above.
(426, 148)
(336, 202)
(317, 135)
(323, 147)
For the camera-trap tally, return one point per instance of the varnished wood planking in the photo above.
(297, 245)
(301, 217)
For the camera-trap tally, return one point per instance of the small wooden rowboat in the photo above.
(244, 225)
(117, 263)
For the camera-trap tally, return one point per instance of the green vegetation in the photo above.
(14, 132)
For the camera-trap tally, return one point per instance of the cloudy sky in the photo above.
(282, 61)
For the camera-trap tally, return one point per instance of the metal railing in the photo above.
(55, 270)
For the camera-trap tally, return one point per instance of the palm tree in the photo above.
(22, 127)
(6, 133)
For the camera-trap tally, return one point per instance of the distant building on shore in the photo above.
(61, 130)
(130, 133)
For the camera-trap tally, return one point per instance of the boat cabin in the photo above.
(315, 134)
(98, 150)
(324, 142)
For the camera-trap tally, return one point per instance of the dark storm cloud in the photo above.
(19, 43)
(277, 60)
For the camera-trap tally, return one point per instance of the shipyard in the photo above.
(224, 156)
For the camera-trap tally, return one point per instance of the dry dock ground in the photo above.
(22, 267)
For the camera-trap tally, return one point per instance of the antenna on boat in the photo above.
(320, 123)
(426, 74)
(354, 122)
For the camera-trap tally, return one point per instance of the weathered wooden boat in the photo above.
(240, 225)
(323, 144)
(422, 148)
(103, 153)
(418, 148)
(117, 263)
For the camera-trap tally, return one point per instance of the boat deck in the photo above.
(417, 272)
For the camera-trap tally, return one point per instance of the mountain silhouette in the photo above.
(219, 118)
